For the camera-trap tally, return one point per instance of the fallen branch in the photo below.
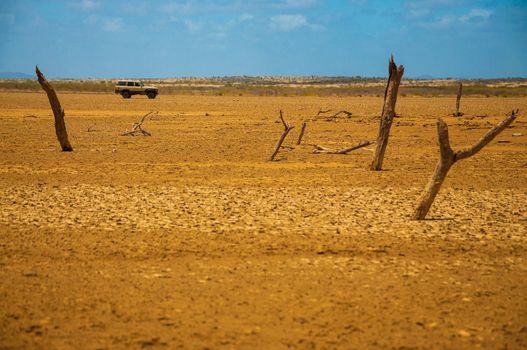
(331, 117)
(136, 127)
(58, 112)
(321, 111)
(325, 150)
(448, 157)
(287, 129)
(349, 114)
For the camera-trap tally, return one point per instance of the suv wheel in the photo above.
(151, 95)
(126, 94)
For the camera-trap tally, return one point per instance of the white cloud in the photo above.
(178, 7)
(300, 3)
(429, 3)
(192, 26)
(112, 24)
(418, 12)
(476, 14)
(288, 22)
(440, 23)
(245, 17)
(446, 21)
(358, 2)
(88, 5)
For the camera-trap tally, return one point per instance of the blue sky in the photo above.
(174, 38)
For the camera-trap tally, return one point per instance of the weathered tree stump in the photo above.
(287, 129)
(448, 157)
(458, 100)
(388, 113)
(58, 112)
(302, 130)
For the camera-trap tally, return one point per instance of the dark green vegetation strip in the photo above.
(313, 87)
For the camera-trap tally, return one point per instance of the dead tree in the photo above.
(388, 112)
(137, 129)
(58, 112)
(287, 129)
(320, 149)
(448, 157)
(302, 130)
(458, 99)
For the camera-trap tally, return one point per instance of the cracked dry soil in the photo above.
(191, 239)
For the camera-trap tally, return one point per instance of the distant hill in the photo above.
(16, 75)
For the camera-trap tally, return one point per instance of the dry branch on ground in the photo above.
(332, 116)
(137, 127)
(346, 150)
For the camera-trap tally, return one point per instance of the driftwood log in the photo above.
(458, 100)
(287, 129)
(58, 112)
(136, 127)
(388, 113)
(448, 157)
(325, 150)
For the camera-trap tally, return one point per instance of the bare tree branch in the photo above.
(448, 157)
(287, 129)
(489, 136)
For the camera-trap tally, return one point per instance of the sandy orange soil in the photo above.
(192, 239)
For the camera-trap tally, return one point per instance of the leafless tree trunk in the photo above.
(388, 113)
(458, 100)
(58, 112)
(302, 130)
(448, 157)
(287, 129)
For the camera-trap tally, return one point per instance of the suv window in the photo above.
(130, 83)
(121, 83)
(137, 84)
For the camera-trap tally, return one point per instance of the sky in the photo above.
(182, 38)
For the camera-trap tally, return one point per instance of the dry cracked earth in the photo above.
(192, 239)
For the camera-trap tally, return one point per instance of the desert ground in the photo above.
(191, 238)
